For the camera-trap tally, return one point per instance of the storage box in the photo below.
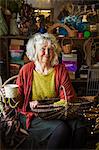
(70, 61)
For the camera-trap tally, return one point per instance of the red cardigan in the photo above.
(25, 79)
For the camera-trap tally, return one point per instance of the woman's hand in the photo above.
(33, 104)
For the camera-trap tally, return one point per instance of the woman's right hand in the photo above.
(33, 104)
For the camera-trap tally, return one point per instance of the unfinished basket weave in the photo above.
(71, 110)
(47, 110)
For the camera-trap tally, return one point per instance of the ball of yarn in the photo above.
(87, 34)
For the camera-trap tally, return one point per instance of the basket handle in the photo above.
(2, 98)
(2, 93)
(62, 87)
(8, 80)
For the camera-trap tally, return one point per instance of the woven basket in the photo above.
(71, 32)
(7, 95)
(66, 45)
(71, 110)
(47, 110)
(11, 90)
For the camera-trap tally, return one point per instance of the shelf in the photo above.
(14, 37)
(19, 62)
(27, 37)
(75, 38)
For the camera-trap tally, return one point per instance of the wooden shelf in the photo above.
(14, 37)
(76, 38)
(27, 37)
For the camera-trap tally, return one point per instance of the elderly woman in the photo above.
(39, 79)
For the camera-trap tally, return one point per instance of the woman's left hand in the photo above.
(60, 103)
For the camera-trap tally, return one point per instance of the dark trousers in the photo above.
(70, 134)
(79, 133)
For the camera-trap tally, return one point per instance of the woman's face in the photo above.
(46, 54)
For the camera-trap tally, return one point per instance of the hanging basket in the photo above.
(71, 32)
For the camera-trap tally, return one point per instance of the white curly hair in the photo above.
(35, 44)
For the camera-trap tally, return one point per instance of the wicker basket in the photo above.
(8, 101)
(71, 32)
(66, 45)
(47, 110)
(71, 110)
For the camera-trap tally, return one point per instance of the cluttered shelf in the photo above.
(76, 38)
(27, 37)
(14, 37)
